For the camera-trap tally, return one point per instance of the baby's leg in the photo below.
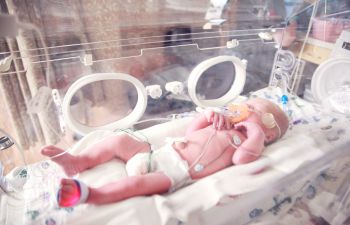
(152, 183)
(120, 146)
(71, 164)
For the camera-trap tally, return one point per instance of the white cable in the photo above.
(205, 149)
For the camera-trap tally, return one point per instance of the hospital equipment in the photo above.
(74, 72)
(330, 83)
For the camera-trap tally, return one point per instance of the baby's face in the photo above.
(269, 116)
(260, 110)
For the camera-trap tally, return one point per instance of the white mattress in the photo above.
(278, 160)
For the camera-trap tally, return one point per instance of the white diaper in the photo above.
(165, 160)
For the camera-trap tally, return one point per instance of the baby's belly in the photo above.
(208, 151)
(213, 165)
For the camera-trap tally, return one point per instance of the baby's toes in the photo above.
(68, 182)
(69, 193)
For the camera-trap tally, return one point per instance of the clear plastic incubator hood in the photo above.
(73, 73)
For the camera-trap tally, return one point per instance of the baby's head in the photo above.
(270, 117)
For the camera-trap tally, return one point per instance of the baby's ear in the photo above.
(269, 138)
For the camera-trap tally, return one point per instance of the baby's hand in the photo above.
(252, 147)
(249, 129)
(218, 120)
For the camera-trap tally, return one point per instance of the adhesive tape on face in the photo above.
(239, 112)
(268, 120)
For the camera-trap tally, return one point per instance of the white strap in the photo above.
(4, 185)
(84, 191)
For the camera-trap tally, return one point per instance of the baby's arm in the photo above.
(252, 147)
(198, 123)
(207, 118)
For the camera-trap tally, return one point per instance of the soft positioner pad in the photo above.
(80, 195)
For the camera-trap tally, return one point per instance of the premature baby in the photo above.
(213, 141)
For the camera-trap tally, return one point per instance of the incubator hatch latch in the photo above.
(232, 44)
(175, 87)
(5, 143)
(154, 91)
(58, 104)
(40, 101)
(214, 14)
(5, 64)
(86, 59)
(265, 36)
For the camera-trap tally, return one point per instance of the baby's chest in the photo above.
(215, 142)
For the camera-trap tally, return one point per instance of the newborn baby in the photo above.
(213, 141)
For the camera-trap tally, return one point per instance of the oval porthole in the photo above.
(74, 95)
(212, 69)
(102, 102)
(216, 81)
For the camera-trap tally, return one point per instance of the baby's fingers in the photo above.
(228, 123)
(209, 115)
(215, 120)
(240, 126)
(219, 121)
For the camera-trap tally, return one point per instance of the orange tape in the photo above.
(239, 112)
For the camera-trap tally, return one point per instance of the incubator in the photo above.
(75, 72)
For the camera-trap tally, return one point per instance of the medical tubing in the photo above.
(205, 149)
(279, 131)
(132, 133)
(200, 156)
(46, 121)
(149, 166)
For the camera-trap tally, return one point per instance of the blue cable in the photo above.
(284, 100)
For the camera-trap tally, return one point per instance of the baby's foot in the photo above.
(69, 193)
(70, 164)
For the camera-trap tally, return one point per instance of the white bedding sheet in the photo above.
(282, 158)
(202, 195)
(299, 146)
